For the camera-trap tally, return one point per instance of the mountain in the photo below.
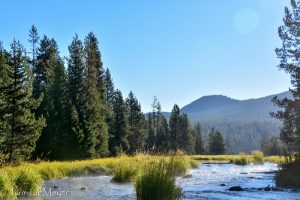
(221, 107)
(244, 123)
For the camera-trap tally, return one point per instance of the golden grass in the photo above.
(256, 157)
(30, 176)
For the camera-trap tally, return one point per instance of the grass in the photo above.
(157, 182)
(29, 177)
(256, 157)
(6, 187)
(28, 180)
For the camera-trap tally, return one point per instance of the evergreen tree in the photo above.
(19, 128)
(119, 139)
(136, 122)
(163, 136)
(47, 64)
(174, 127)
(76, 91)
(185, 140)
(150, 142)
(216, 143)
(43, 69)
(34, 39)
(96, 141)
(199, 143)
(289, 62)
(61, 138)
(109, 87)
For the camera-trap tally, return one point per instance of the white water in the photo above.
(204, 184)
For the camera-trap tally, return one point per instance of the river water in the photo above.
(203, 183)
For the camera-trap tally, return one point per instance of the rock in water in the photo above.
(222, 184)
(236, 188)
(188, 176)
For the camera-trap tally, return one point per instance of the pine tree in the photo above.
(163, 136)
(216, 143)
(119, 139)
(45, 85)
(19, 128)
(150, 140)
(76, 89)
(174, 127)
(199, 143)
(136, 122)
(34, 39)
(185, 141)
(109, 87)
(96, 142)
(44, 68)
(289, 62)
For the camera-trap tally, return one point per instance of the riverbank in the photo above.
(29, 177)
(208, 181)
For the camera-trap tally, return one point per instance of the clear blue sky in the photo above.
(178, 50)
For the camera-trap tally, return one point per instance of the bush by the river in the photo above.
(289, 175)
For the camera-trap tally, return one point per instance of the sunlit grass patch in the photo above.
(157, 182)
(6, 187)
(28, 180)
(258, 157)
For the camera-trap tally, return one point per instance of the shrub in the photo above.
(258, 157)
(123, 172)
(157, 182)
(178, 165)
(289, 175)
(241, 160)
(6, 187)
(28, 180)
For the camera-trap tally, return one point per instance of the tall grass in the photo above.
(6, 187)
(258, 157)
(28, 180)
(30, 176)
(157, 181)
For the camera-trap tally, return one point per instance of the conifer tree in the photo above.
(76, 90)
(174, 127)
(119, 138)
(109, 87)
(19, 128)
(163, 136)
(150, 140)
(96, 141)
(289, 62)
(33, 39)
(185, 139)
(199, 143)
(136, 123)
(216, 143)
(45, 72)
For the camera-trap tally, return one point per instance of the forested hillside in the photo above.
(244, 123)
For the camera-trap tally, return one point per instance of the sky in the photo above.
(177, 50)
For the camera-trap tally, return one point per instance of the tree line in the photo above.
(57, 109)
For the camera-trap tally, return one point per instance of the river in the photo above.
(209, 181)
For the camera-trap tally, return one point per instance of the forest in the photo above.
(64, 109)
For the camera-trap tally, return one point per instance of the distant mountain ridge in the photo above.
(244, 123)
(223, 107)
